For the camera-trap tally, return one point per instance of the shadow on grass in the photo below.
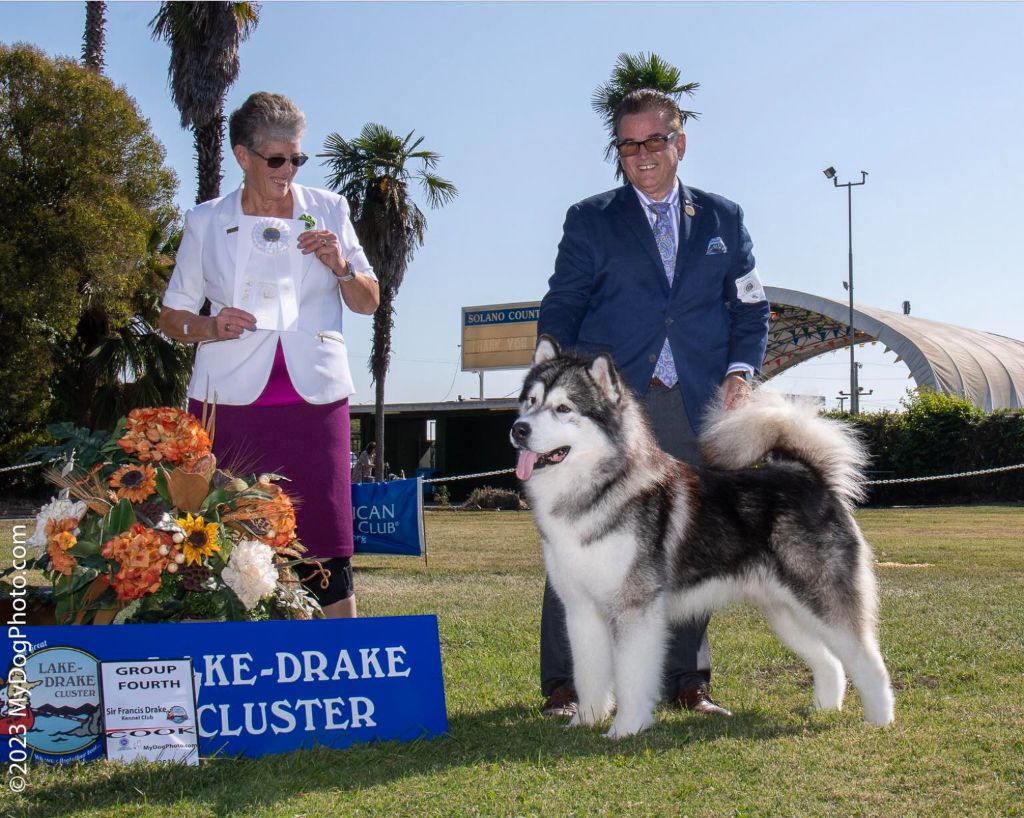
(503, 736)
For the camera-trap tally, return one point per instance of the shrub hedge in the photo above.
(934, 434)
(940, 434)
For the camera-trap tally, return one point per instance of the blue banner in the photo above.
(261, 687)
(387, 518)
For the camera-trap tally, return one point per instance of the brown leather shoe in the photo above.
(562, 703)
(695, 696)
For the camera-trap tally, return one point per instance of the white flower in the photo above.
(250, 572)
(271, 235)
(57, 509)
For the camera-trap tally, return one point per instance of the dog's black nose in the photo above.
(520, 430)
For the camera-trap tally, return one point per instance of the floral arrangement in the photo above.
(147, 528)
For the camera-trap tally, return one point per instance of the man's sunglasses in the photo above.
(298, 159)
(654, 144)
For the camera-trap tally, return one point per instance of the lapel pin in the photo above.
(231, 230)
(689, 208)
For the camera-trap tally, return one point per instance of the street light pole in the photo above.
(830, 173)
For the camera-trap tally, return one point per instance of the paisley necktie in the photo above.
(665, 368)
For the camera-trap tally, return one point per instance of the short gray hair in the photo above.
(265, 116)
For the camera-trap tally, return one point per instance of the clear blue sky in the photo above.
(929, 98)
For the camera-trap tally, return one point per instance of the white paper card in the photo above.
(149, 710)
(268, 266)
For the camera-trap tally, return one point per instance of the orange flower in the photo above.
(60, 538)
(270, 519)
(164, 434)
(62, 529)
(137, 550)
(60, 559)
(135, 483)
(64, 540)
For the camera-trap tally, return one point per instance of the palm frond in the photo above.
(439, 191)
(204, 39)
(643, 70)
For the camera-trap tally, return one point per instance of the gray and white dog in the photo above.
(633, 539)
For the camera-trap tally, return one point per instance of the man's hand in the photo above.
(735, 390)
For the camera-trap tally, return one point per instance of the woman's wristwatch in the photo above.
(349, 275)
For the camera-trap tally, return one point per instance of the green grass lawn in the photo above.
(952, 589)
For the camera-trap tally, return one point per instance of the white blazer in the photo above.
(236, 371)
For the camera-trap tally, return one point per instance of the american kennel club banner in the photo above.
(387, 518)
(261, 687)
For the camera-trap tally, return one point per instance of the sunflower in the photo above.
(134, 483)
(200, 538)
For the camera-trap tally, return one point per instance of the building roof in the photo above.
(987, 369)
(470, 405)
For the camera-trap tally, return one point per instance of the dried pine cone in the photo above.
(193, 577)
(152, 510)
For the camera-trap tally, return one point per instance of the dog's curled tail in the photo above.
(766, 423)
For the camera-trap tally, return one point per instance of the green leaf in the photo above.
(214, 499)
(112, 446)
(161, 486)
(85, 548)
(89, 527)
(120, 518)
(68, 586)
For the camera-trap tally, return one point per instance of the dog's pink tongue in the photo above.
(524, 466)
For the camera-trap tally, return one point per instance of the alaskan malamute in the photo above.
(633, 539)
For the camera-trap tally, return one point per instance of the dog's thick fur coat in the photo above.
(633, 539)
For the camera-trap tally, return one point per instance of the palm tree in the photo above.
(136, 365)
(93, 42)
(116, 368)
(373, 172)
(204, 40)
(633, 71)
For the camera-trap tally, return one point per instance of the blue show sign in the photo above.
(387, 518)
(261, 687)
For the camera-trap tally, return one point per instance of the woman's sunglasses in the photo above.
(298, 159)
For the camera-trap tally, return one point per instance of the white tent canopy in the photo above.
(987, 369)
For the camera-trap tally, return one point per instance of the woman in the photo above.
(271, 354)
(362, 471)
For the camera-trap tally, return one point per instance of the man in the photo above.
(661, 277)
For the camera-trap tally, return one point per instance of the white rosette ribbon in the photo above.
(270, 235)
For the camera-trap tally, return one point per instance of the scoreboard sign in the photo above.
(499, 336)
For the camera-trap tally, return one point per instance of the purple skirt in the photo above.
(307, 443)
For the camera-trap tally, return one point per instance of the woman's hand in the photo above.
(324, 244)
(230, 322)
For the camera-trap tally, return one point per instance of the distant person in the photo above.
(281, 381)
(362, 471)
(660, 276)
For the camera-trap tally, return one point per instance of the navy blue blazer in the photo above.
(609, 292)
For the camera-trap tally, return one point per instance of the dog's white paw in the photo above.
(623, 728)
(591, 715)
(829, 702)
(881, 712)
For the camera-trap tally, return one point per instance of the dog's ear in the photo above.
(546, 350)
(603, 371)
